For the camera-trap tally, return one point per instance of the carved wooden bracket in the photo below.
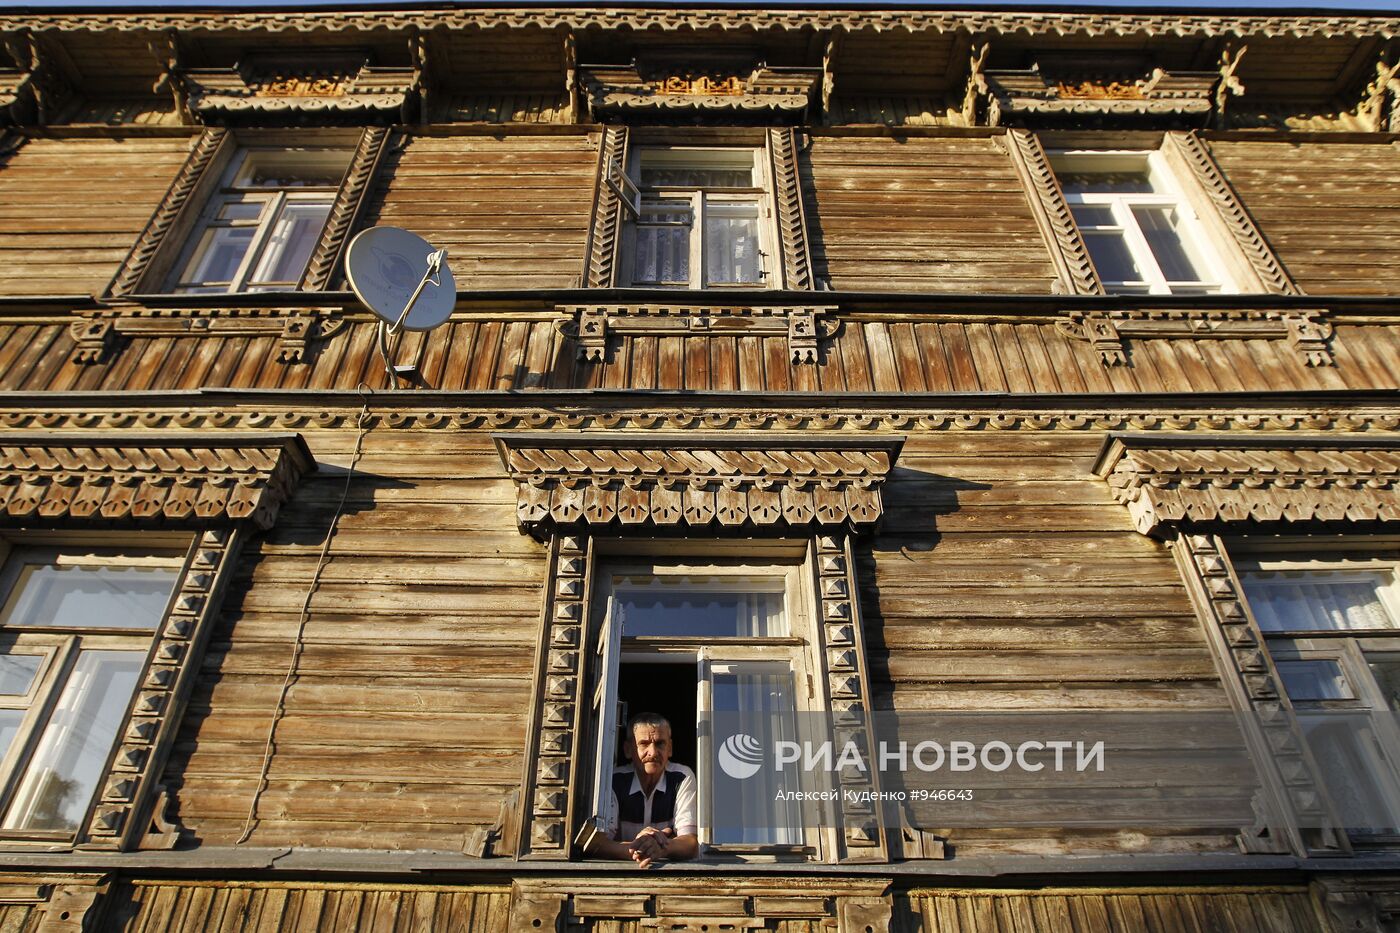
(158, 478)
(95, 333)
(1307, 331)
(592, 325)
(1170, 478)
(593, 480)
(38, 88)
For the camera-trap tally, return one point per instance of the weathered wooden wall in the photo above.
(873, 352)
(1331, 210)
(234, 907)
(71, 209)
(919, 214)
(406, 724)
(512, 211)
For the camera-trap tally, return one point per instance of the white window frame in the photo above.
(1350, 649)
(1204, 249)
(264, 250)
(708, 655)
(700, 202)
(60, 647)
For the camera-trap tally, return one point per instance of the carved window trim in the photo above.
(613, 189)
(159, 246)
(570, 497)
(216, 491)
(1189, 490)
(1076, 275)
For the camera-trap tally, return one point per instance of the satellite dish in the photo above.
(401, 278)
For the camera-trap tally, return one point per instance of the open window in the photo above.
(1332, 626)
(258, 230)
(701, 640)
(699, 218)
(76, 628)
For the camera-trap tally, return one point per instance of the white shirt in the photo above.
(684, 821)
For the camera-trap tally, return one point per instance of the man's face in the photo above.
(649, 749)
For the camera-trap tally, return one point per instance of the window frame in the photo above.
(1350, 649)
(793, 564)
(700, 202)
(62, 646)
(1203, 247)
(275, 201)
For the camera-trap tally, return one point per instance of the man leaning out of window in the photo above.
(653, 811)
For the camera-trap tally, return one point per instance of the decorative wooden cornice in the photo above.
(1168, 479)
(601, 480)
(1028, 23)
(96, 332)
(1034, 97)
(133, 269)
(621, 90)
(303, 89)
(1307, 331)
(148, 478)
(591, 326)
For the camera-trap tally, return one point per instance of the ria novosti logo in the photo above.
(740, 756)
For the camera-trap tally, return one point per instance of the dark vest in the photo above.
(632, 807)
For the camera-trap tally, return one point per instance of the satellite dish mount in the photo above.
(382, 264)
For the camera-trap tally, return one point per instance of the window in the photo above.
(258, 231)
(700, 641)
(1333, 630)
(700, 218)
(75, 630)
(1141, 231)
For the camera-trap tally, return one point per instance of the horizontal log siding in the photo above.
(1278, 910)
(1005, 577)
(234, 907)
(870, 354)
(71, 209)
(512, 211)
(943, 215)
(406, 723)
(1330, 210)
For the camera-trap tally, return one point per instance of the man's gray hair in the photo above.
(655, 720)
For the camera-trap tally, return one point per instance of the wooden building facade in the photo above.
(1049, 357)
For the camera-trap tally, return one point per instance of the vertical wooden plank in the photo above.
(644, 362)
(884, 370)
(724, 375)
(1007, 340)
(697, 362)
(751, 376)
(908, 361)
(937, 375)
(669, 366)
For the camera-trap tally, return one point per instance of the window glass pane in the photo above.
(292, 168)
(17, 673)
(663, 246)
(1112, 259)
(1093, 215)
(1130, 182)
(90, 597)
(241, 210)
(1359, 778)
(1314, 680)
(10, 720)
(293, 238)
(716, 168)
(61, 777)
(1159, 226)
(701, 606)
(1300, 600)
(731, 246)
(757, 701)
(220, 253)
(1387, 674)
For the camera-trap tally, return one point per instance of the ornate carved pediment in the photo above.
(96, 332)
(730, 86)
(149, 478)
(805, 327)
(1059, 91)
(1173, 478)
(300, 88)
(601, 480)
(1307, 331)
